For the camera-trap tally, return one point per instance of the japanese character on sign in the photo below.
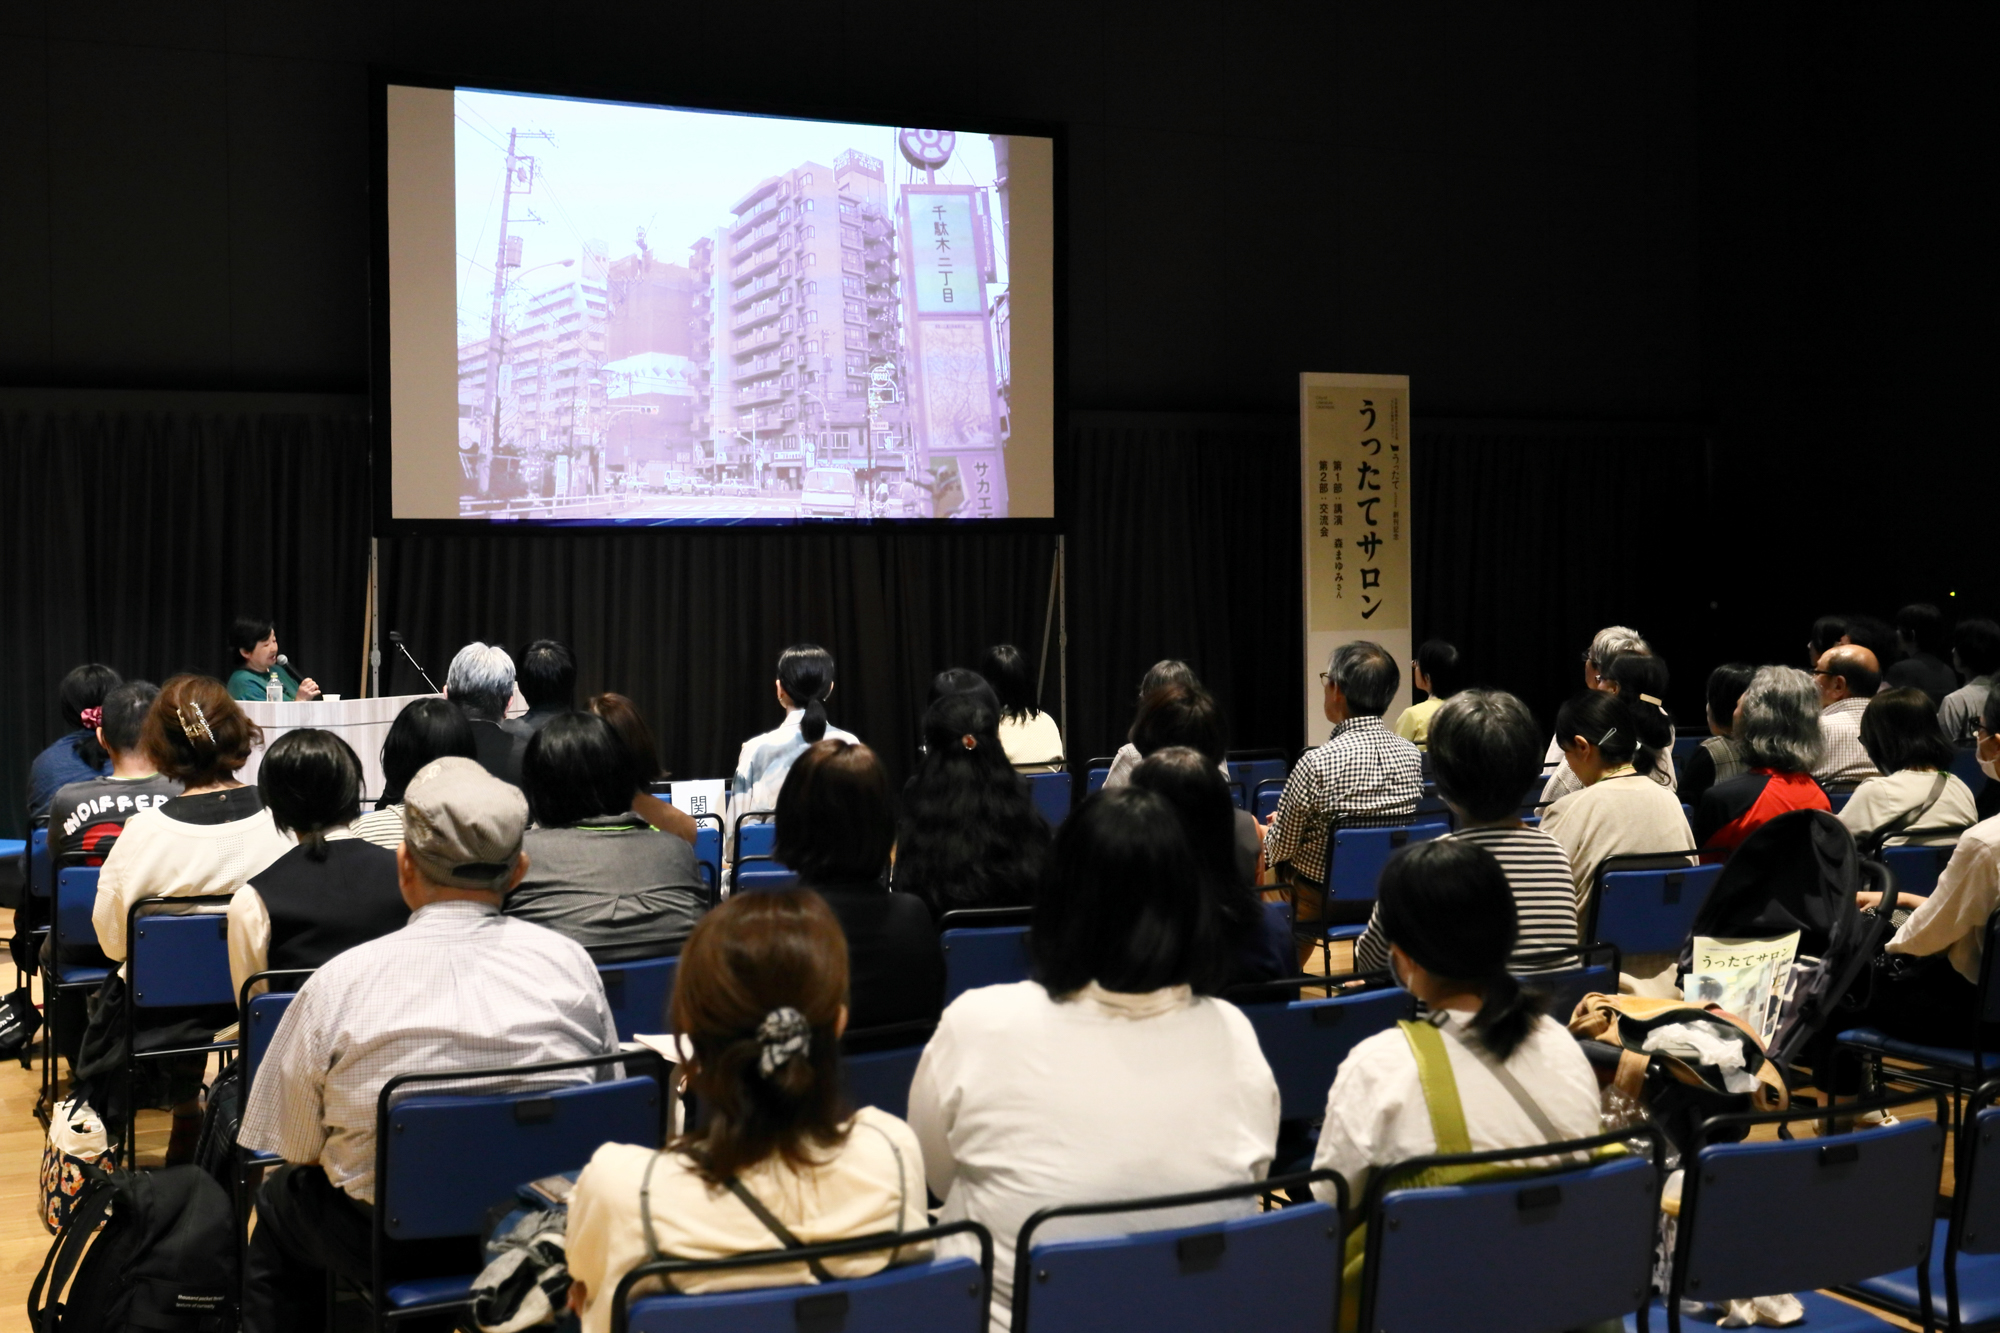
(1367, 409)
(1368, 470)
(1368, 543)
(1368, 510)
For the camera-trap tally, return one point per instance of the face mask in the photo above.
(1990, 768)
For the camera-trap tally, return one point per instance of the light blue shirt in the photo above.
(761, 767)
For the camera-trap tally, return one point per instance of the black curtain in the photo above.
(137, 526)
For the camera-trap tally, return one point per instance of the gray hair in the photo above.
(1780, 721)
(1612, 640)
(482, 678)
(1366, 674)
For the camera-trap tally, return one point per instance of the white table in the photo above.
(362, 723)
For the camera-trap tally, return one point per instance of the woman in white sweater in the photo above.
(1112, 1075)
(1917, 799)
(204, 843)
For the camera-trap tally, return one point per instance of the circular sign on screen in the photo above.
(929, 149)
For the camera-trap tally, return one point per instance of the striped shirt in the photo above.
(1537, 870)
(1364, 773)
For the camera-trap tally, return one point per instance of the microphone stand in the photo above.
(404, 649)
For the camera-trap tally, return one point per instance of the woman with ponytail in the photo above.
(805, 679)
(761, 999)
(75, 756)
(1450, 920)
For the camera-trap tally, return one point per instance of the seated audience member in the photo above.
(1918, 800)
(75, 756)
(1826, 632)
(480, 681)
(1847, 678)
(203, 843)
(969, 835)
(1486, 756)
(253, 660)
(1640, 679)
(1874, 634)
(761, 998)
(1170, 671)
(1361, 775)
(1112, 1073)
(962, 680)
(597, 872)
(1975, 649)
(1606, 646)
(1718, 758)
(836, 827)
(1921, 643)
(425, 730)
(1451, 926)
(329, 893)
(1033, 741)
(547, 678)
(1186, 715)
(1186, 778)
(805, 680)
(1618, 810)
(1436, 671)
(86, 817)
(460, 987)
(1777, 724)
(637, 738)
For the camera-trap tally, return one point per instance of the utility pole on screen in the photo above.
(519, 170)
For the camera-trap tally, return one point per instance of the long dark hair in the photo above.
(836, 819)
(752, 958)
(805, 673)
(85, 687)
(1446, 904)
(425, 730)
(1190, 782)
(969, 834)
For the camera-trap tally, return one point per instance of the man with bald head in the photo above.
(1847, 675)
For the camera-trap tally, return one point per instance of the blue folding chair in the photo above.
(879, 1064)
(1965, 766)
(1251, 769)
(443, 1160)
(1276, 1271)
(1305, 1037)
(1431, 805)
(1853, 1205)
(69, 923)
(1520, 1236)
(1940, 1068)
(1964, 1269)
(172, 962)
(756, 830)
(708, 852)
(986, 946)
(1051, 794)
(638, 993)
(1647, 903)
(1838, 797)
(1094, 773)
(1264, 799)
(1354, 861)
(1684, 748)
(1916, 869)
(1565, 976)
(261, 1015)
(764, 873)
(41, 875)
(940, 1296)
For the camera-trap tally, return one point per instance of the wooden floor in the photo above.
(23, 1242)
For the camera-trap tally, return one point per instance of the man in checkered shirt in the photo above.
(460, 987)
(1364, 774)
(1847, 676)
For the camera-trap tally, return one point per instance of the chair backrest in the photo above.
(1965, 765)
(1051, 794)
(1684, 748)
(443, 1161)
(1917, 868)
(1977, 1197)
(1570, 974)
(1519, 1240)
(260, 1023)
(1430, 803)
(1839, 798)
(764, 873)
(708, 845)
(1276, 1272)
(882, 1078)
(756, 830)
(1848, 1207)
(41, 881)
(173, 961)
(1095, 771)
(1356, 856)
(1264, 797)
(983, 956)
(76, 896)
(1249, 769)
(942, 1296)
(638, 992)
(1305, 1040)
(1643, 906)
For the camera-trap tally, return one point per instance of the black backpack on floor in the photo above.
(221, 1120)
(165, 1261)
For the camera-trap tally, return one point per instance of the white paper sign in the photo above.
(703, 797)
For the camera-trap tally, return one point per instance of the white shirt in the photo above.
(158, 856)
(1032, 742)
(1022, 1101)
(1127, 759)
(1880, 802)
(765, 759)
(460, 987)
(873, 1182)
(1376, 1115)
(1952, 921)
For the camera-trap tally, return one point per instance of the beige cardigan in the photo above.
(1620, 814)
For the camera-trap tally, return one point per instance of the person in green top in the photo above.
(253, 643)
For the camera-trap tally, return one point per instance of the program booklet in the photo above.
(1747, 978)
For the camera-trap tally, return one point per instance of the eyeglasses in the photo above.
(1325, 679)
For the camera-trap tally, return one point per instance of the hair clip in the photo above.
(199, 727)
(1607, 736)
(1651, 700)
(92, 718)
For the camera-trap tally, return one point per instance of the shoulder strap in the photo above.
(1878, 838)
(86, 1211)
(1440, 1086)
(1522, 1098)
(775, 1227)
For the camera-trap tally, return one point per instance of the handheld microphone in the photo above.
(298, 671)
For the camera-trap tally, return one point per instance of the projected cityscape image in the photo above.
(697, 317)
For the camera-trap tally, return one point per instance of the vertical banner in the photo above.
(1354, 455)
(954, 390)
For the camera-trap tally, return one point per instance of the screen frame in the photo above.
(381, 426)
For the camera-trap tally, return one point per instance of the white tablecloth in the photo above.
(362, 723)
